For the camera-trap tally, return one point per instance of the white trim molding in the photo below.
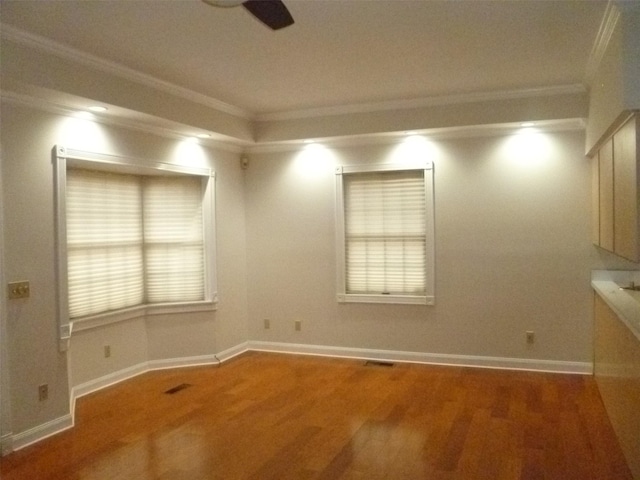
(161, 364)
(15, 442)
(6, 444)
(106, 381)
(148, 124)
(343, 294)
(439, 133)
(503, 363)
(63, 158)
(490, 96)
(232, 352)
(605, 32)
(38, 433)
(60, 50)
(540, 365)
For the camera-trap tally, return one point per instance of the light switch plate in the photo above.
(19, 290)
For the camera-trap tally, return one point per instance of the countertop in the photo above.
(625, 303)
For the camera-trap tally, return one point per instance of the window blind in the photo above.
(132, 240)
(385, 232)
(173, 235)
(104, 242)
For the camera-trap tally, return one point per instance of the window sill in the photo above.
(387, 299)
(102, 319)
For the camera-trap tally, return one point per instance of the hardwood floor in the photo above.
(270, 416)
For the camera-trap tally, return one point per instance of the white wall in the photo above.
(513, 251)
(27, 139)
(5, 386)
(630, 56)
(29, 245)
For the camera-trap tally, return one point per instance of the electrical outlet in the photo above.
(43, 392)
(298, 325)
(531, 337)
(107, 351)
(267, 324)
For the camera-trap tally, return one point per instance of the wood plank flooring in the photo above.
(270, 416)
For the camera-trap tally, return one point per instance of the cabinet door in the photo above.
(617, 374)
(625, 187)
(595, 200)
(605, 156)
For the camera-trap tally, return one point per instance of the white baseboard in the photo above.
(36, 434)
(555, 366)
(15, 442)
(229, 353)
(182, 362)
(6, 444)
(163, 364)
(106, 381)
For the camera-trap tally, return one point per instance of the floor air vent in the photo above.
(177, 388)
(377, 363)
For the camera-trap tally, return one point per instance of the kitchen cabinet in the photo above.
(605, 158)
(616, 192)
(625, 188)
(617, 375)
(595, 199)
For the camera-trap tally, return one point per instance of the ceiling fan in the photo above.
(272, 13)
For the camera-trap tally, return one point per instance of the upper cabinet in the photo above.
(616, 192)
(605, 184)
(625, 190)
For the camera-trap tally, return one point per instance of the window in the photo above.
(385, 234)
(131, 240)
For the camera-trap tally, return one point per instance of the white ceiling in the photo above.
(338, 53)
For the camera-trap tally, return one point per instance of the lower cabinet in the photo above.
(617, 373)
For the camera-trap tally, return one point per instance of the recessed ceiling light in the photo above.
(98, 108)
(527, 124)
(204, 135)
(84, 114)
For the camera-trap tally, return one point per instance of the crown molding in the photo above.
(177, 132)
(443, 133)
(51, 47)
(43, 44)
(172, 131)
(601, 43)
(423, 102)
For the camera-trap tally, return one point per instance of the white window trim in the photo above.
(65, 157)
(342, 295)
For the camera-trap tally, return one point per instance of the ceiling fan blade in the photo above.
(272, 13)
